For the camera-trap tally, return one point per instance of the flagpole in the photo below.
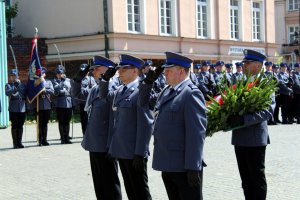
(37, 103)
(37, 120)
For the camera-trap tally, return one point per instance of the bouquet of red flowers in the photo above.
(244, 97)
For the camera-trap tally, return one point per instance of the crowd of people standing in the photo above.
(123, 104)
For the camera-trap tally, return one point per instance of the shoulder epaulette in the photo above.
(192, 86)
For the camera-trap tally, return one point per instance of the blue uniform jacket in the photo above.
(296, 78)
(256, 131)
(62, 91)
(179, 129)
(283, 81)
(238, 76)
(16, 93)
(45, 97)
(132, 124)
(96, 135)
(86, 85)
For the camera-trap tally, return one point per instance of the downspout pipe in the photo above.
(106, 40)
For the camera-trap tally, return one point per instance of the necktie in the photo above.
(124, 89)
(171, 91)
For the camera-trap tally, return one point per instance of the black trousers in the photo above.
(64, 115)
(17, 119)
(178, 188)
(251, 164)
(105, 177)
(285, 105)
(44, 116)
(297, 105)
(83, 118)
(136, 182)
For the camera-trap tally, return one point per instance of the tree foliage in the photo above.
(12, 11)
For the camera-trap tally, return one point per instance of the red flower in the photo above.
(219, 99)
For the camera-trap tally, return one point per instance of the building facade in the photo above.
(201, 29)
(287, 26)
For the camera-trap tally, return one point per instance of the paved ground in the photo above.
(63, 171)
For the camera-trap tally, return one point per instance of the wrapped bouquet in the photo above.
(244, 97)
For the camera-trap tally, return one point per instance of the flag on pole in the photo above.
(36, 83)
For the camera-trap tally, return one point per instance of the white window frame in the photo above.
(235, 8)
(289, 34)
(292, 5)
(207, 5)
(262, 19)
(141, 15)
(173, 18)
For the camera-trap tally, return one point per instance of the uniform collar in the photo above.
(179, 84)
(131, 84)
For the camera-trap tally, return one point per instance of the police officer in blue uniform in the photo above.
(275, 69)
(16, 91)
(179, 130)
(218, 75)
(95, 140)
(132, 127)
(229, 73)
(44, 111)
(285, 92)
(196, 69)
(238, 75)
(296, 89)
(269, 74)
(62, 91)
(269, 71)
(250, 141)
(206, 80)
(86, 85)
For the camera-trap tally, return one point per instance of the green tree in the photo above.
(11, 12)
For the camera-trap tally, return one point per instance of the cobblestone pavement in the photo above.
(63, 171)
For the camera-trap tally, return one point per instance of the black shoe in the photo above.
(278, 121)
(45, 143)
(68, 142)
(63, 142)
(20, 145)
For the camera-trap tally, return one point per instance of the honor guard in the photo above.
(269, 74)
(206, 80)
(95, 140)
(229, 73)
(16, 91)
(44, 111)
(275, 69)
(62, 91)
(296, 89)
(131, 129)
(86, 85)
(218, 75)
(269, 71)
(285, 92)
(238, 75)
(197, 69)
(251, 140)
(179, 129)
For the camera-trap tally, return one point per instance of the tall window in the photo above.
(134, 15)
(202, 18)
(291, 32)
(256, 21)
(234, 19)
(166, 17)
(293, 5)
